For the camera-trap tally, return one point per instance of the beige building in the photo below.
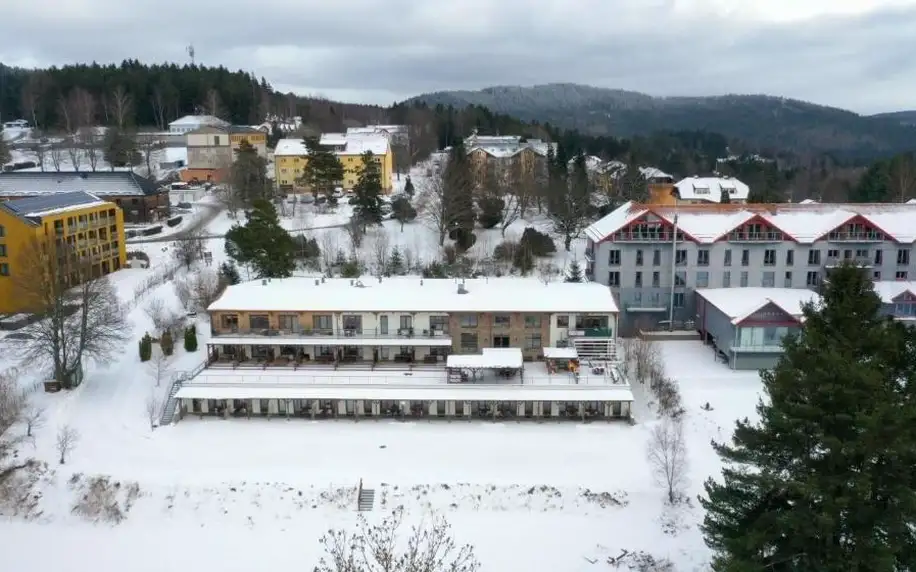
(211, 150)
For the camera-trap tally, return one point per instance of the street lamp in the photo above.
(677, 196)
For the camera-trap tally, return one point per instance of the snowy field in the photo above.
(247, 494)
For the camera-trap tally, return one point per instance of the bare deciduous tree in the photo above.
(40, 149)
(148, 144)
(12, 399)
(667, 452)
(120, 106)
(429, 547)
(56, 153)
(381, 250)
(548, 272)
(213, 104)
(158, 103)
(155, 310)
(183, 292)
(153, 405)
(30, 97)
(33, 417)
(354, 228)
(189, 249)
(205, 288)
(329, 247)
(437, 206)
(79, 315)
(902, 175)
(646, 358)
(160, 366)
(91, 141)
(67, 438)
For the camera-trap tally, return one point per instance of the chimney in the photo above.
(462, 289)
(421, 281)
(264, 282)
(317, 282)
(352, 282)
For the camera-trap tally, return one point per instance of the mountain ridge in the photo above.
(764, 122)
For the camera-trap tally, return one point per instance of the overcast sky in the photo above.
(856, 54)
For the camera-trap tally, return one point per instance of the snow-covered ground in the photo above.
(245, 494)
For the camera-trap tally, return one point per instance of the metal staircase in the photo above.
(171, 403)
(366, 499)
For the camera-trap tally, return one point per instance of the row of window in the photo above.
(767, 279)
(325, 322)
(469, 342)
(859, 255)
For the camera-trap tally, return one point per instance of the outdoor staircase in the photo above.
(171, 403)
(366, 499)
(595, 349)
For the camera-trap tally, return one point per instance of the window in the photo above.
(500, 341)
(216, 139)
(745, 257)
(613, 279)
(532, 321)
(3, 250)
(405, 322)
(4, 269)
(258, 322)
(438, 323)
(812, 279)
(613, 258)
(656, 257)
(563, 321)
(289, 322)
(879, 257)
(533, 341)
(678, 299)
(352, 323)
(901, 275)
(744, 279)
(726, 279)
(703, 258)
(2, 231)
(383, 325)
(656, 279)
(862, 253)
(833, 253)
(637, 280)
(790, 257)
(639, 258)
(680, 257)
(728, 258)
(814, 258)
(903, 257)
(468, 321)
(769, 258)
(468, 342)
(501, 321)
(768, 279)
(702, 279)
(876, 275)
(787, 281)
(680, 278)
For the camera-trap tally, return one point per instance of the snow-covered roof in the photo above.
(349, 144)
(711, 188)
(195, 120)
(417, 295)
(448, 392)
(739, 303)
(503, 146)
(101, 183)
(708, 223)
(561, 353)
(377, 130)
(808, 202)
(38, 207)
(888, 290)
(654, 173)
(488, 358)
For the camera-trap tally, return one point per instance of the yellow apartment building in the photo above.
(79, 222)
(291, 157)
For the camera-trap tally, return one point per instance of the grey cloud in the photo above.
(404, 47)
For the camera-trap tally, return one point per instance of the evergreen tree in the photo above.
(248, 176)
(408, 187)
(403, 211)
(396, 262)
(574, 274)
(367, 193)
(262, 243)
(229, 273)
(119, 148)
(458, 191)
(190, 339)
(323, 172)
(825, 480)
(5, 155)
(569, 197)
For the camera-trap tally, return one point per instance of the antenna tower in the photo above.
(191, 52)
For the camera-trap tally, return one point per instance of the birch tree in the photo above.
(667, 452)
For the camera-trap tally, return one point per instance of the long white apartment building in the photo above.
(449, 348)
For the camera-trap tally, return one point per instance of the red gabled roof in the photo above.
(757, 218)
(661, 217)
(860, 218)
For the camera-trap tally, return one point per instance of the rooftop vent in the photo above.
(421, 281)
(352, 282)
(317, 282)
(264, 282)
(462, 289)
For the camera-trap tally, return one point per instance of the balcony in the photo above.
(646, 237)
(331, 333)
(756, 237)
(863, 236)
(860, 261)
(591, 333)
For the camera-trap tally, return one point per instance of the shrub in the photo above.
(306, 248)
(435, 269)
(228, 273)
(190, 339)
(402, 210)
(505, 251)
(152, 230)
(166, 343)
(491, 211)
(174, 221)
(537, 243)
(146, 347)
(351, 269)
(523, 260)
(464, 239)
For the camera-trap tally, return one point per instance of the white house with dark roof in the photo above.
(711, 190)
(636, 252)
(189, 123)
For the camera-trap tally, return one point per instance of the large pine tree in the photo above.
(248, 175)
(323, 172)
(826, 479)
(367, 193)
(262, 244)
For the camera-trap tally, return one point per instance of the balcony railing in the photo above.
(755, 237)
(860, 261)
(405, 333)
(646, 237)
(865, 236)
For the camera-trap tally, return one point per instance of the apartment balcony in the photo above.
(860, 261)
(82, 226)
(646, 237)
(591, 333)
(755, 237)
(860, 237)
(333, 333)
